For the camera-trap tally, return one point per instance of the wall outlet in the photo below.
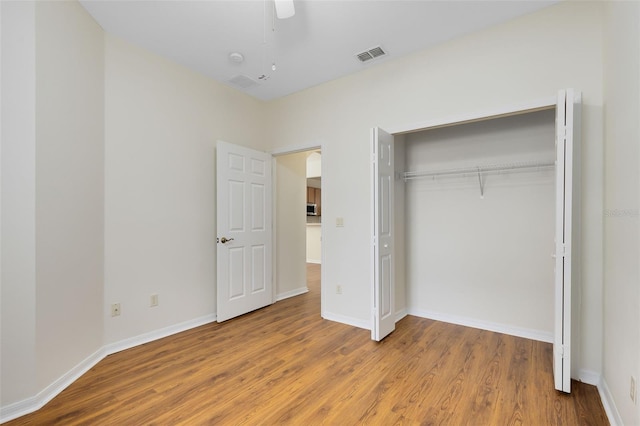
(633, 391)
(154, 300)
(339, 222)
(115, 309)
(338, 289)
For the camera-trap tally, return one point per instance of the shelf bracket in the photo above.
(481, 183)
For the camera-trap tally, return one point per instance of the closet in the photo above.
(473, 221)
(479, 208)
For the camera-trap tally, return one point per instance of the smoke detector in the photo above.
(236, 57)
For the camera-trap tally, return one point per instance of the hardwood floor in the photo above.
(285, 365)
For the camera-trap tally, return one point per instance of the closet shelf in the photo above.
(480, 171)
(491, 168)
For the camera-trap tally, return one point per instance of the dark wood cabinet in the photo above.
(314, 196)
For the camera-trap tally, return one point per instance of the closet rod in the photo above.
(495, 168)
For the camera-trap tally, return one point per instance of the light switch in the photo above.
(339, 221)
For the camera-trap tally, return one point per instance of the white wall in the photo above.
(400, 228)
(622, 201)
(69, 187)
(18, 292)
(108, 159)
(314, 165)
(314, 243)
(483, 258)
(53, 143)
(519, 61)
(291, 199)
(162, 123)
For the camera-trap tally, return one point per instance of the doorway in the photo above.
(298, 227)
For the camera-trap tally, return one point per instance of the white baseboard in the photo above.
(401, 314)
(358, 322)
(589, 377)
(315, 261)
(141, 339)
(355, 322)
(593, 378)
(291, 293)
(539, 335)
(609, 405)
(29, 405)
(35, 403)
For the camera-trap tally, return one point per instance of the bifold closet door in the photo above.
(383, 312)
(567, 131)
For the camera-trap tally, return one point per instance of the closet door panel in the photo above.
(383, 321)
(567, 121)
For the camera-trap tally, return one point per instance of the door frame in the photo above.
(295, 149)
(470, 117)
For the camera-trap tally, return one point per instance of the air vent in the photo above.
(370, 54)
(242, 81)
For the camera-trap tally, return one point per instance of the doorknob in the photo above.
(225, 240)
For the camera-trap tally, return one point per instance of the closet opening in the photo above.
(479, 224)
(479, 210)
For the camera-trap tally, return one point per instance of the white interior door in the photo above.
(244, 226)
(383, 321)
(566, 140)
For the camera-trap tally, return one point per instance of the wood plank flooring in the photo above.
(285, 365)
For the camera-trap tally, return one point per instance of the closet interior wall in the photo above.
(477, 259)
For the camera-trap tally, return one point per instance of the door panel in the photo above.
(383, 322)
(567, 120)
(244, 257)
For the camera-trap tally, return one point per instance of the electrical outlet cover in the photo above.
(115, 309)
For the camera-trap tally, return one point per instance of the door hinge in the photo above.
(562, 252)
(561, 136)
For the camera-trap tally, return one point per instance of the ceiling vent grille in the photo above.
(370, 54)
(242, 81)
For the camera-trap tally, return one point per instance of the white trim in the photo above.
(274, 230)
(589, 377)
(323, 229)
(609, 405)
(514, 109)
(314, 261)
(141, 339)
(35, 403)
(401, 314)
(29, 405)
(539, 335)
(292, 293)
(293, 149)
(354, 322)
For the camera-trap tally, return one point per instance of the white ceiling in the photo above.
(316, 45)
